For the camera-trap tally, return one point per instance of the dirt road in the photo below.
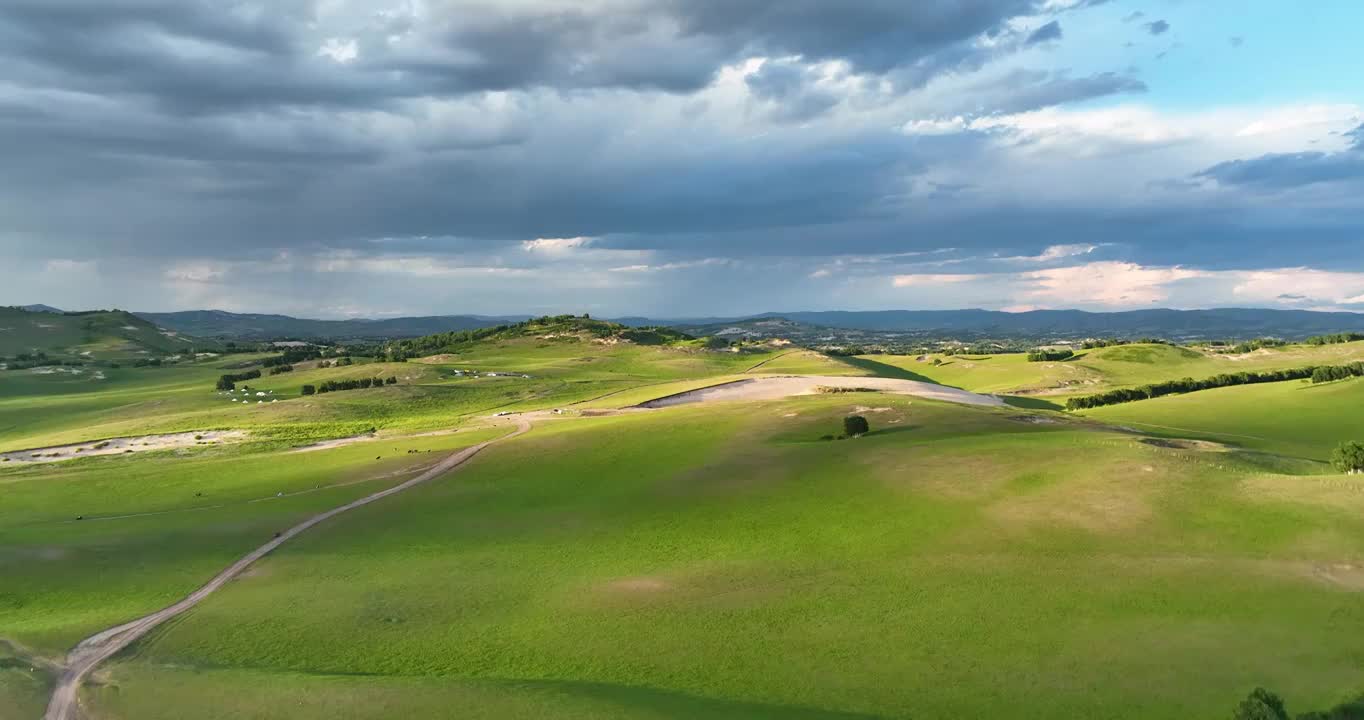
(99, 647)
(775, 388)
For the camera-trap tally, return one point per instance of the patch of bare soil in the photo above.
(1179, 444)
(1346, 576)
(122, 446)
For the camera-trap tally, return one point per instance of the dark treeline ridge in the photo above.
(229, 382)
(289, 357)
(1337, 338)
(360, 384)
(566, 325)
(1041, 355)
(1097, 343)
(1316, 374)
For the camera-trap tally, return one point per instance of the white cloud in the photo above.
(555, 245)
(934, 279)
(340, 50)
(1115, 284)
(1295, 285)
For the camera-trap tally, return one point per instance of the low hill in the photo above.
(95, 334)
(557, 328)
(238, 326)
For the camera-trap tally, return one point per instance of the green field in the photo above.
(1156, 559)
(1093, 371)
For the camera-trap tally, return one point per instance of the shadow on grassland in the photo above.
(679, 706)
(880, 369)
(1031, 403)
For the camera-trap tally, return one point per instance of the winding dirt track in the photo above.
(100, 647)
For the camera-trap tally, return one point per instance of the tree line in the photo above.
(1188, 385)
(229, 382)
(1044, 355)
(1335, 339)
(340, 385)
(1096, 343)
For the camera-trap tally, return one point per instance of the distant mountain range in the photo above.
(1173, 324)
(237, 326)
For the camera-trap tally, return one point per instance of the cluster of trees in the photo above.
(339, 362)
(1331, 373)
(1337, 338)
(1263, 704)
(289, 357)
(229, 382)
(1114, 342)
(279, 369)
(1253, 345)
(1349, 457)
(1044, 355)
(339, 385)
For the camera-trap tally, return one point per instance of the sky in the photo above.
(680, 158)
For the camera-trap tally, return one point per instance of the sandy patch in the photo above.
(776, 388)
(638, 585)
(121, 446)
(339, 442)
(1179, 444)
(1346, 576)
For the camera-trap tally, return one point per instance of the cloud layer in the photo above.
(336, 157)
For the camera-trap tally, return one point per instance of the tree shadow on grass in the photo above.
(880, 369)
(680, 706)
(1030, 403)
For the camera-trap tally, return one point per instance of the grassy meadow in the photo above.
(724, 561)
(1156, 559)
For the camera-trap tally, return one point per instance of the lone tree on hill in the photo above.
(1261, 705)
(855, 425)
(1349, 458)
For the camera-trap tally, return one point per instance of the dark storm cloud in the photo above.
(1289, 170)
(1047, 33)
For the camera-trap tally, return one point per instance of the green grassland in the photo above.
(702, 561)
(1093, 371)
(1292, 418)
(723, 561)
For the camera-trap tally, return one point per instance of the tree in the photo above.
(226, 383)
(855, 425)
(392, 380)
(309, 390)
(1261, 705)
(1349, 457)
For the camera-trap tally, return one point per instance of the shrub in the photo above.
(1050, 355)
(1349, 457)
(229, 382)
(1261, 705)
(855, 425)
(309, 390)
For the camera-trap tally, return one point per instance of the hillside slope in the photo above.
(98, 334)
(220, 324)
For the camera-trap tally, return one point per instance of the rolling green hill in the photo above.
(715, 560)
(100, 334)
